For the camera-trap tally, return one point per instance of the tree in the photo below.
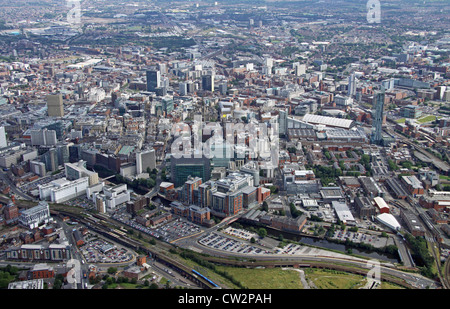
(265, 206)
(112, 270)
(262, 232)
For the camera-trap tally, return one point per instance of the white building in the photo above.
(78, 170)
(389, 220)
(112, 196)
(34, 216)
(61, 190)
(43, 137)
(3, 142)
(145, 159)
(343, 212)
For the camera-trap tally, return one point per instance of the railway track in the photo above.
(162, 252)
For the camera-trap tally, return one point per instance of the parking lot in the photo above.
(358, 237)
(28, 187)
(221, 242)
(98, 250)
(175, 229)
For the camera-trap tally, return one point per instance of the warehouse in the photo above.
(396, 188)
(343, 212)
(389, 220)
(329, 121)
(383, 207)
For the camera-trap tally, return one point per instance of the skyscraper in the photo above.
(55, 107)
(351, 85)
(153, 80)
(208, 82)
(183, 167)
(378, 104)
(145, 159)
(3, 142)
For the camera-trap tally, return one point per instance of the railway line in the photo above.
(162, 252)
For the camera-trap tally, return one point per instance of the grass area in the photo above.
(265, 278)
(390, 286)
(443, 177)
(401, 120)
(329, 279)
(427, 118)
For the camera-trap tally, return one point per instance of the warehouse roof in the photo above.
(328, 121)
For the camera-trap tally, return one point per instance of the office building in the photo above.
(35, 216)
(78, 170)
(223, 88)
(153, 80)
(192, 184)
(351, 85)
(378, 104)
(183, 167)
(38, 168)
(282, 121)
(299, 69)
(183, 89)
(34, 284)
(3, 141)
(388, 84)
(114, 196)
(55, 106)
(11, 212)
(411, 111)
(144, 160)
(61, 190)
(43, 137)
(167, 104)
(208, 82)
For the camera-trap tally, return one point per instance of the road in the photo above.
(5, 179)
(77, 261)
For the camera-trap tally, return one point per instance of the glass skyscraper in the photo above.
(378, 104)
(153, 80)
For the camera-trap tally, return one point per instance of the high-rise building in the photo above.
(183, 167)
(208, 82)
(378, 104)
(145, 159)
(351, 85)
(183, 89)
(388, 84)
(299, 69)
(3, 142)
(43, 137)
(55, 107)
(78, 170)
(167, 104)
(153, 80)
(223, 88)
(191, 184)
(282, 121)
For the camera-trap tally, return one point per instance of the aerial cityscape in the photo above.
(224, 145)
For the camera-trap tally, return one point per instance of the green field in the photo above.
(265, 278)
(427, 118)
